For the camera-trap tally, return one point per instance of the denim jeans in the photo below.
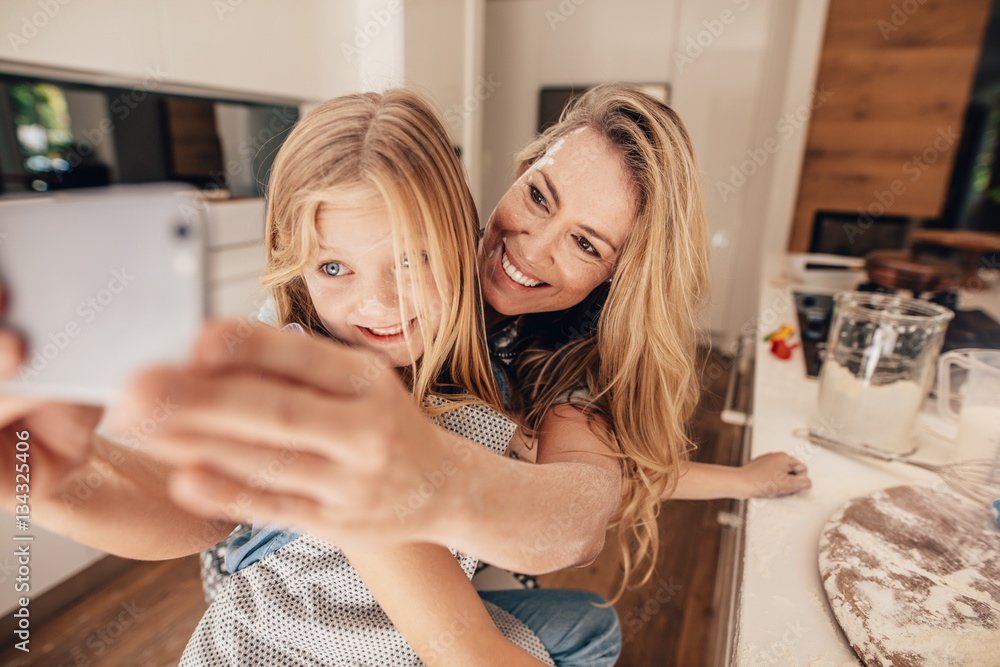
(575, 632)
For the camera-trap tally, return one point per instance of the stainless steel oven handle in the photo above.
(730, 414)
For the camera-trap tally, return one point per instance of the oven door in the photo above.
(729, 573)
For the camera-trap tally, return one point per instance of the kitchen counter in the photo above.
(784, 617)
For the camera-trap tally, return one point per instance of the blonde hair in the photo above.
(639, 366)
(391, 148)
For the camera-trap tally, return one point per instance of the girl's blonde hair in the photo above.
(386, 149)
(639, 366)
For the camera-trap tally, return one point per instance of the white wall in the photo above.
(531, 44)
(434, 53)
(718, 90)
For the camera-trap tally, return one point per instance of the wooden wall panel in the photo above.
(898, 75)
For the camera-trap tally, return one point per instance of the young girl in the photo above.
(371, 236)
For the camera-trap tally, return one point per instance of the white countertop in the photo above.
(784, 617)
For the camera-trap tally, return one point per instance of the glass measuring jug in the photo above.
(979, 416)
(880, 360)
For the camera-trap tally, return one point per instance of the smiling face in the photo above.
(559, 229)
(352, 280)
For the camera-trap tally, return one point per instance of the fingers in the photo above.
(795, 483)
(263, 469)
(15, 407)
(11, 356)
(243, 406)
(11, 353)
(778, 474)
(11, 345)
(207, 493)
(67, 429)
(318, 362)
(794, 466)
(796, 476)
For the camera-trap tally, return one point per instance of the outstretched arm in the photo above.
(352, 459)
(550, 515)
(117, 502)
(90, 489)
(774, 474)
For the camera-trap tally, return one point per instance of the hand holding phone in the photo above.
(52, 439)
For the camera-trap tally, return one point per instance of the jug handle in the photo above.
(944, 382)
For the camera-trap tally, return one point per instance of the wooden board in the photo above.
(913, 577)
(896, 78)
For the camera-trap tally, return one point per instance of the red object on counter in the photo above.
(782, 349)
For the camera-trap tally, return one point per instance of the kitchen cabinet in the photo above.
(53, 559)
(236, 255)
(84, 35)
(287, 51)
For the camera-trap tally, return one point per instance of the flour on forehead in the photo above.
(549, 157)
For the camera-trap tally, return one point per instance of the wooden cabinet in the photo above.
(897, 77)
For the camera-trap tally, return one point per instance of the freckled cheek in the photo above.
(332, 304)
(508, 215)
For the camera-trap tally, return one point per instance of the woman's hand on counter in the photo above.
(773, 474)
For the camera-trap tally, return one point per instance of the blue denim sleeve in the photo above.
(247, 550)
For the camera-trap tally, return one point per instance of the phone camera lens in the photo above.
(182, 230)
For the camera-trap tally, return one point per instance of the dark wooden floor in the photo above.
(145, 616)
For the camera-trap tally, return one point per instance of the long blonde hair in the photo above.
(391, 148)
(640, 364)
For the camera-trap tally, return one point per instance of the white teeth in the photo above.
(391, 331)
(516, 275)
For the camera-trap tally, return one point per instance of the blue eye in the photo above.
(333, 268)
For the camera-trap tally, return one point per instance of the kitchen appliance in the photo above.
(976, 479)
(881, 357)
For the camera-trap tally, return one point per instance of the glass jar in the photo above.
(880, 360)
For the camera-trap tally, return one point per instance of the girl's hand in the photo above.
(773, 474)
(301, 431)
(59, 435)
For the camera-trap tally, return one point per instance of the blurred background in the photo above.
(822, 127)
(803, 114)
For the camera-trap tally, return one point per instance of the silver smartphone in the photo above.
(100, 283)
